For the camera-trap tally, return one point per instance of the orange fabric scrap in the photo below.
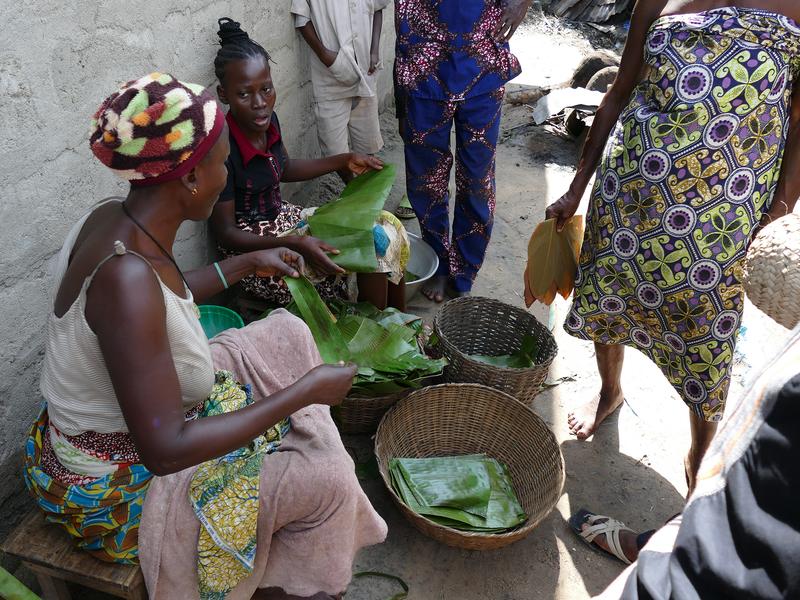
(553, 260)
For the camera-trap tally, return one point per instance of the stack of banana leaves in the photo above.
(470, 493)
(384, 344)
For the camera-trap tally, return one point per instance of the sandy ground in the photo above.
(631, 469)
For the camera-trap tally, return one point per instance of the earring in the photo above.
(194, 191)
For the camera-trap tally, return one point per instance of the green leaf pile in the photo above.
(382, 343)
(346, 223)
(523, 358)
(470, 493)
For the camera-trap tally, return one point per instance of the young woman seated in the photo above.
(251, 213)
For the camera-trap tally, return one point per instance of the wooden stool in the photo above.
(51, 554)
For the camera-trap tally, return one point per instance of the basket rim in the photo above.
(520, 531)
(548, 359)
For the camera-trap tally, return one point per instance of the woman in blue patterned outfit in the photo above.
(697, 148)
(452, 62)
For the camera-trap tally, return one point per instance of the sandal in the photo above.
(599, 525)
(404, 210)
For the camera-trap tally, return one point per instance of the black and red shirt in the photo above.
(254, 176)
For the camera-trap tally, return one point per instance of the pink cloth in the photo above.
(314, 517)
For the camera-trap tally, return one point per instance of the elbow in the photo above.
(160, 468)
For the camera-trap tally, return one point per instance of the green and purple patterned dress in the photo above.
(686, 175)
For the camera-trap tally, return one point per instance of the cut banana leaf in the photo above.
(553, 260)
(386, 352)
(347, 223)
(319, 319)
(471, 493)
(523, 358)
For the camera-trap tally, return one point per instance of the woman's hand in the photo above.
(276, 262)
(330, 383)
(562, 209)
(361, 163)
(513, 13)
(315, 251)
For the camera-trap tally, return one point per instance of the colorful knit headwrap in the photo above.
(155, 129)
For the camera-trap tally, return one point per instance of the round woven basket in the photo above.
(456, 419)
(357, 414)
(772, 271)
(475, 325)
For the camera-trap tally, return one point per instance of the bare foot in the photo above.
(434, 289)
(627, 541)
(584, 420)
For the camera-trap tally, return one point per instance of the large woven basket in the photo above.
(358, 414)
(456, 419)
(475, 325)
(772, 271)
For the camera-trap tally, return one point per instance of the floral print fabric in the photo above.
(686, 175)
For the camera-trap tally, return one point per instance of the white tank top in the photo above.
(75, 382)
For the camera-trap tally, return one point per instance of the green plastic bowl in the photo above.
(215, 319)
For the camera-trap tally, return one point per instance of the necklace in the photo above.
(155, 241)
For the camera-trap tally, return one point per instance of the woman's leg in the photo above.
(425, 128)
(397, 295)
(373, 288)
(702, 433)
(585, 420)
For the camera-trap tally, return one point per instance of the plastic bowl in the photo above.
(215, 319)
(423, 263)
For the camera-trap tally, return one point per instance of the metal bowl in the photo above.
(423, 262)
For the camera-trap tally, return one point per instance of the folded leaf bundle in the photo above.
(553, 260)
(382, 343)
(470, 493)
(347, 223)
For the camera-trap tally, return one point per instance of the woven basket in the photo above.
(363, 414)
(456, 419)
(475, 325)
(772, 271)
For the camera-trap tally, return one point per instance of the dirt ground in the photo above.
(632, 468)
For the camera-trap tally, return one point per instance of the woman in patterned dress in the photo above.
(697, 149)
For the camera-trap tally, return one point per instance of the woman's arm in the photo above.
(125, 309)
(629, 75)
(305, 169)
(206, 281)
(375, 47)
(228, 235)
(788, 189)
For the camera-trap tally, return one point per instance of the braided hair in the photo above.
(235, 45)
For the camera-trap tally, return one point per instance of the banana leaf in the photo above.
(319, 319)
(471, 493)
(552, 260)
(523, 358)
(384, 349)
(347, 223)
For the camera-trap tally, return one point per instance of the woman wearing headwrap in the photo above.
(145, 452)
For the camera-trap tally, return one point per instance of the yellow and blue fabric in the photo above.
(103, 515)
(224, 493)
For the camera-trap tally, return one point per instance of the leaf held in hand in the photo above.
(347, 223)
(553, 260)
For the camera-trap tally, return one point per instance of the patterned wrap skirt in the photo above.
(686, 175)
